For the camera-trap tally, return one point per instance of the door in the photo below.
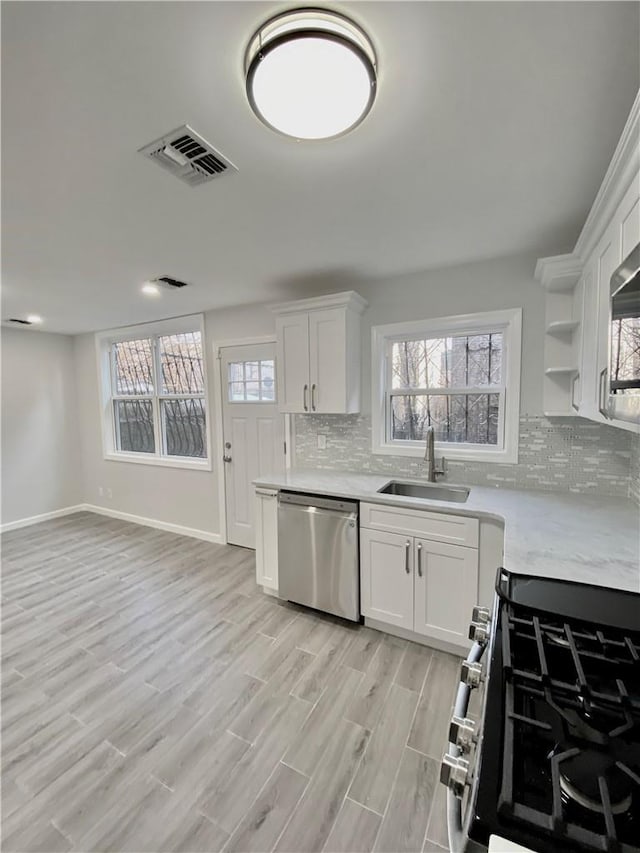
(386, 577)
(446, 590)
(293, 362)
(253, 432)
(327, 360)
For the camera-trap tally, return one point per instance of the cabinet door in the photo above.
(328, 360)
(386, 577)
(446, 590)
(266, 523)
(292, 367)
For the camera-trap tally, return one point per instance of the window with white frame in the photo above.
(154, 392)
(460, 375)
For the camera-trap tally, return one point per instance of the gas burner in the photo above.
(582, 773)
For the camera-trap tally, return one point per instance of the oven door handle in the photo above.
(454, 805)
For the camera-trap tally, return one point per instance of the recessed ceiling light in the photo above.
(310, 74)
(34, 318)
(150, 289)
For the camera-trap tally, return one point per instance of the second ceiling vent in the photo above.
(188, 156)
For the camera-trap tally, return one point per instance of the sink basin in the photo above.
(426, 491)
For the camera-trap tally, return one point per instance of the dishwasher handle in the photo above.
(340, 507)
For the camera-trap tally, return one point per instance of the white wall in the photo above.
(172, 495)
(482, 286)
(191, 498)
(41, 461)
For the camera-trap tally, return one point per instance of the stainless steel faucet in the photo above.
(430, 456)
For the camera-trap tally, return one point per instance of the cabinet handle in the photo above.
(601, 405)
(419, 559)
(313, 396)
(407, 549)
(573, 393)
(304, 398)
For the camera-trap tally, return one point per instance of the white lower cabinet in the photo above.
(446, 590)
(418, 584)
(386, 577)
(266, 525)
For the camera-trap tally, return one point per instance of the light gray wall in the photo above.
(482, 286)
(40, 441)
(172, 495)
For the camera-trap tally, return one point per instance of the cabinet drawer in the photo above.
(437, 526)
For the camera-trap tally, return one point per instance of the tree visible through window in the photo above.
(158, 395)
(453, 383)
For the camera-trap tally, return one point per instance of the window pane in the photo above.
(184, 427)
(134, 426)
(447, 362)
(252, 381)
(236, 371)
(236, 391)
(133, 367)
(252, 370)
(468, 418)
(181, 363)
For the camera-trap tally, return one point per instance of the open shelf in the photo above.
(561, 327)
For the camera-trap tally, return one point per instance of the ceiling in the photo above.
(492, 129)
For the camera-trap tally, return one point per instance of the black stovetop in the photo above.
(560, 759)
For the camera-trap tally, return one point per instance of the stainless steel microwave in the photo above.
(620, 382)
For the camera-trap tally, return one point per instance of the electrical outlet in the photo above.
(322, 442)
(109, 493)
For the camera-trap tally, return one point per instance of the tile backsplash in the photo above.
(563, 454)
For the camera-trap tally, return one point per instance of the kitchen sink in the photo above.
(426, 491)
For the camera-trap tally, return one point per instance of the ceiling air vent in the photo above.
(188, 156)
(168, 282)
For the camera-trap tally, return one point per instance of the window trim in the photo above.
(509, 322)
(103, 341)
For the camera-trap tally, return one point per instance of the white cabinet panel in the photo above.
(386, 577)
(446, 590)
(328, 360)
(454, 529)
(266, 526)
(319, 350)
(292, 369)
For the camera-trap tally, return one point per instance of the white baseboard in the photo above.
(45, 516)
(154, 522)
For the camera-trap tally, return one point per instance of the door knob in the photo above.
(226, 459)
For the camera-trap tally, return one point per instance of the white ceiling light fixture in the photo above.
(310, 74)
(150, 289)
(34, 318)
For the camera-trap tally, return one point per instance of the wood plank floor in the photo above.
(154, 699)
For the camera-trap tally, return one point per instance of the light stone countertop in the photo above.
(589, 538)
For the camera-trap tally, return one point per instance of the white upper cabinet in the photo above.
(318, 367)
(578, 289)
(292, 364)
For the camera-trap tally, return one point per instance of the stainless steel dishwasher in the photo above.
(318, 561)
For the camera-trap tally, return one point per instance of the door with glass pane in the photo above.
(253, 430)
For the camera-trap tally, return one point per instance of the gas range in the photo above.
(555, 764)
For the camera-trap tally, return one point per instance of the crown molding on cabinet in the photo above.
(560, 272)
(346, 299)
(623, 167)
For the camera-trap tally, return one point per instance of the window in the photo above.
(460, 375)
(154, 393)
(252, 381)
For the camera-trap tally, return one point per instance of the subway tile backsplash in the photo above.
(563, 454)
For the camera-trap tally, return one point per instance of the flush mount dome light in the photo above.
(311, 74)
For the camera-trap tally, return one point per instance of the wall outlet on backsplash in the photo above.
(322, 441)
